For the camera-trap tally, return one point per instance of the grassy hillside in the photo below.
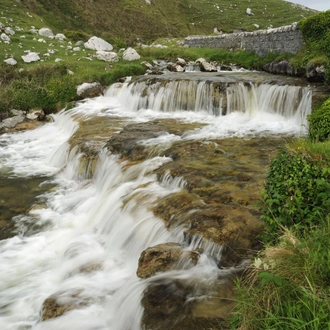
(131, 19)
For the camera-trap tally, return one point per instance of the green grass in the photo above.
(131, 19)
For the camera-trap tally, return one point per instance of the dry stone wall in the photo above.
(285, 39)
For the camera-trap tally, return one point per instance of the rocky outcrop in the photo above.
(283, 68)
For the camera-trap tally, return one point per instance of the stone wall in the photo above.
(285, 39)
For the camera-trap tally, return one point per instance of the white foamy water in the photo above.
(94, 230)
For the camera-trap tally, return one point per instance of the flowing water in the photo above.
(79, 234)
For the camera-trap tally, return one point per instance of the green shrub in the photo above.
(297, 191)
(319, 122)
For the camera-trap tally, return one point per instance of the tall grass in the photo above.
(288, 286)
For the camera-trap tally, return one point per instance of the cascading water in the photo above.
(91, 229)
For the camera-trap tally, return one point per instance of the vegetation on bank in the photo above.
(288, 285)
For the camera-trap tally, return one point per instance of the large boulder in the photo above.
(107, 56)
(45, 32)
(31, 57)
(130, 54)
(90, 89)
(95, 43)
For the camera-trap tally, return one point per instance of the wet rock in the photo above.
(315, 73)
(62, 302)
(282, 67)
(128, 141)
(176, 304)
(161, 258)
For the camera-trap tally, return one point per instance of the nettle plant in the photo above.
(296, 195)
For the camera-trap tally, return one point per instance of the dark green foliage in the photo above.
(319, 122)
(296, 193)
(316, 34)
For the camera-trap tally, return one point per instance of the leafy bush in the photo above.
(297, 191)
(319, 122)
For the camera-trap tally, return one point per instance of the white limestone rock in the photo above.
(45, 32)
(10, 31)
(96, 43)
(58, 60)
(89, 89)
(249, 12)
(5, 38)
(80, 43)
(107, 56)
(181, 61)
(2, 26)
(130, 54)
(31, 57)
(10, 61)
(60, 36)
(208, 67)
(76, 49)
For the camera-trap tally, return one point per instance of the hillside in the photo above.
(151, 19)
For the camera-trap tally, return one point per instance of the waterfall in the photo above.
(81, 243)
(215, 97)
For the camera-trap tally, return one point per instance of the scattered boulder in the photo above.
(45, 32)
(10, 61)
(5, 38)
(107, 56)
(130, 54)
(95, 43)
(31, 57)
(249, 12)
(10, 31)
(60, 36)
(80, 43)
(11, 122)
(90, 89)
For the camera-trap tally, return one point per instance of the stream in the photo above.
(137, 209)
